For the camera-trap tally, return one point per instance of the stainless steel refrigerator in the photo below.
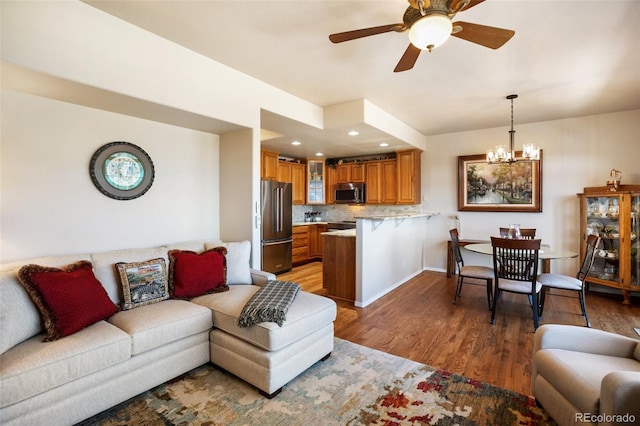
(276, 226)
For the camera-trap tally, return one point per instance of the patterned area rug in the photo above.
(355, 386)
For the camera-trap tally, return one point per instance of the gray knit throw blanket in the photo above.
(269, 304)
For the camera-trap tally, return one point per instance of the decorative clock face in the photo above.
(121, 170)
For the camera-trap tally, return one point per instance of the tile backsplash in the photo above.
(342, 212)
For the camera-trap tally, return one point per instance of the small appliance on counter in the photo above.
(313, 217)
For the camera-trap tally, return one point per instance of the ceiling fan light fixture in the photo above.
(430, 31)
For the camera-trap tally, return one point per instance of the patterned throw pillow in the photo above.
(143, 283)
(192, 274)
(69, 298)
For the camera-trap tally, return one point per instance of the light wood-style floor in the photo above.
(419, 322)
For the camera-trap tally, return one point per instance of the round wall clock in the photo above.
(121, 170)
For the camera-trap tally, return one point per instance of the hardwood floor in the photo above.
(419, 322)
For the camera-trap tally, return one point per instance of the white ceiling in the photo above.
(568, 58)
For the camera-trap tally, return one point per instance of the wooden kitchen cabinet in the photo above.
(615, 217)
(388, 182)
(299, 183)
(343, 173)
(315, 182)
(307, 242)
(269, 165)
(372, 180)
(339, 267)
(284, 171)
(300, 250)
(408, 176)
(350, 172)
(330, 177)
(357, 172)
(316, 239)
(295, 174)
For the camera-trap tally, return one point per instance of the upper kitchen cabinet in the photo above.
(269, 165)
(350, 172)
(408, 176)
(298, 183)
(330, 177)
(295, 174)
(315, 182)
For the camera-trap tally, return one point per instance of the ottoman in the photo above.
(266, 355)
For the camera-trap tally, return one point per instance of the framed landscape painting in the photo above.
(499, 187)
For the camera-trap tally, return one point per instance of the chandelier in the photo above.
(500, 154)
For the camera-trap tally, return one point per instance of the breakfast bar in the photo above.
(382, 253)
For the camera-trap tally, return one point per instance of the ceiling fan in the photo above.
(429, 25)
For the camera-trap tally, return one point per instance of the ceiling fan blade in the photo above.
(456, 3)
(364, 32)
(408, 59)
(483, 35)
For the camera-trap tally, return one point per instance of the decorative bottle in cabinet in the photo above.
(614, 216)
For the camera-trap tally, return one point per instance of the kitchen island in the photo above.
(339, 264)
(388, 252)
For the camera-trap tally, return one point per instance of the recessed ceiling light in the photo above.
(319, 154)
(384, 144)
(295, 143)
(353, 133)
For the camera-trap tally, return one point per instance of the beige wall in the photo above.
(578, 152)
(50, 205)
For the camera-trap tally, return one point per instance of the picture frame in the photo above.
(121, 170)
(500, 186)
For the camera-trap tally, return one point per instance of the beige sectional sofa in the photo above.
(67, 380)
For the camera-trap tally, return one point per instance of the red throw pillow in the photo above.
(69, 298)
(192, 274)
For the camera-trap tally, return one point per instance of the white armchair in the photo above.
(583, 375)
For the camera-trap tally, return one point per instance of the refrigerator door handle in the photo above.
(275, 243)
(276, 206)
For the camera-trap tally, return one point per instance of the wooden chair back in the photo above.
(589, 256)
(516, 260)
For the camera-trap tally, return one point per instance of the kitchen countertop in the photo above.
(340, 233)
(398, 216)
(309, 223)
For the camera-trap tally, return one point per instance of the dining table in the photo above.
(545, 255)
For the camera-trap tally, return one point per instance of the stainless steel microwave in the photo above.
(349, 193)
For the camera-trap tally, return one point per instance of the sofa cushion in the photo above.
(307, 313)
(155, 325)
(578, 375)
(69, 298)
(19, 317)
(105, 270)
(192, 274)
(238, 258)
(34, 367)
(143, 283)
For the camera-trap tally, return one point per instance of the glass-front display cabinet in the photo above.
(315, 182)
(614, 216)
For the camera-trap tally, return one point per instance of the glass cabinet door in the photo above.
(603, 219)
(315, 182)
(635, 241)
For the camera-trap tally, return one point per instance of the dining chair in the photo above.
(515, 266)
(566, 282)
(484, 273)
(525, 233)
